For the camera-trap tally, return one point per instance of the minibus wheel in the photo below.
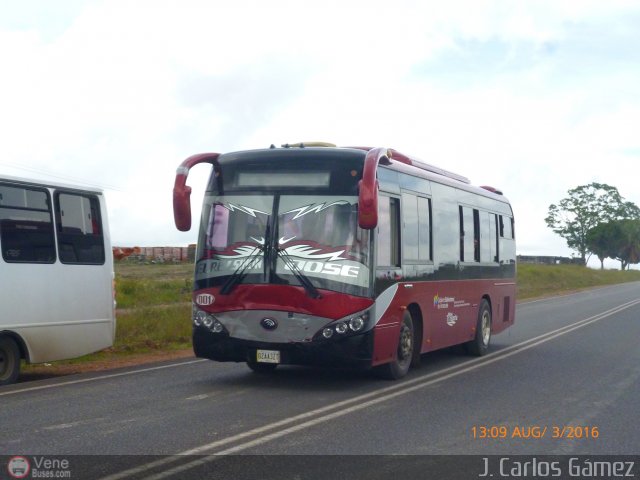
(9, 360)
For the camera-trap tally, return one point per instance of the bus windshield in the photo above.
(305, 240)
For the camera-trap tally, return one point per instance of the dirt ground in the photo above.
(42, 371)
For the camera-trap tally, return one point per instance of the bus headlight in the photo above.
(346, 326)
(199, 318)
(341, 328)
(217, 327)
(204, 319)
(356, 323)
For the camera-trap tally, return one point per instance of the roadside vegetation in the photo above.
(152, 285)
(547, 280)
(154, 308)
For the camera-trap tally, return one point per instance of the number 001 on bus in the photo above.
(352, 257)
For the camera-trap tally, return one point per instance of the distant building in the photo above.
(548, 260)
(156, 254)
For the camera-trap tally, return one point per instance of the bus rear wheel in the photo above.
(480, 344)
(9, 361)
(399, 367)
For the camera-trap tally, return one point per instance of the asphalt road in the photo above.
(565, 380)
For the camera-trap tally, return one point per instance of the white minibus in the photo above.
(56, 274)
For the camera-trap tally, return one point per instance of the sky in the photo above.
(531, 97)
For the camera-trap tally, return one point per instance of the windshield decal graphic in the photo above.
(284, 240)
(314, 209)
(241, 208)
(314, 260)
(243, 251)
(301, 251)
(311, 253)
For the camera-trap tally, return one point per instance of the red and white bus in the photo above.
(355, 257)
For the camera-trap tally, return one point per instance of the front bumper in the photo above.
(354, 351)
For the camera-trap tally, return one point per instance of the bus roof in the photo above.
(50, 184)
(397, 161)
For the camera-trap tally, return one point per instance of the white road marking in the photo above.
(62, 426)
(101, 377)
(199, 397)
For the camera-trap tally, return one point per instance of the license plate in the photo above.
(268, 356)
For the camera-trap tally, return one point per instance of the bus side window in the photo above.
(496, 239)
(410, 227)
(476, 235)
(487, 237)
(26, 226)
(425, 243)
(506, 227)
(388, 232)
(79, 229)
(469, 234)
(507, 254)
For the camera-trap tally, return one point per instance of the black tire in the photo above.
(9, 360)
(480, 344)
(399, 367)
(261, 367)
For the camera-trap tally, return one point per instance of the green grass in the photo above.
(545, 280)
(154, 307)
(140, 286)
(154, 301)
(146, 329)
(132, 293)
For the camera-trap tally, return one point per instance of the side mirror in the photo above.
(368, 205)
(182, 192)
(368, 188)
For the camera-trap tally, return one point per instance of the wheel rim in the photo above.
(405, 347)
(486, 328)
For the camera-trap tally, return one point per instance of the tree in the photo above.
(618, 239)
(628, 243)
(602, 240)
(629, 211)
(585, 208)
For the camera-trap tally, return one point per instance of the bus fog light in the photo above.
(341, 328)
(356, 324)
(327, 333)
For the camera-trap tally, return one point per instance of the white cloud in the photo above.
(504, 93)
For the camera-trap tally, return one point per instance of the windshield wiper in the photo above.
(311, 290)
(241, 272)
(266, 248)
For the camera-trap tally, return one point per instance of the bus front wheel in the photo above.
(399, 367)
(9, 361)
